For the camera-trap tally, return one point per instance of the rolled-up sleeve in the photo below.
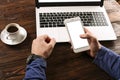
(109, 61)
(36, 70)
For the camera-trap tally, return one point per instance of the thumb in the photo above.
(84, 36)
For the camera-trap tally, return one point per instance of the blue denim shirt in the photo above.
(109, 61)
(106, 59)
(36, 70)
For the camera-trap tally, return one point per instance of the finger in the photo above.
(83, 36)
(45, 36)
(42, 37)
(86, 30)
(52, 42)
(89, 34)
(47, 40)
(86, 35)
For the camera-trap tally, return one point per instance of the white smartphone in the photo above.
(75, 28)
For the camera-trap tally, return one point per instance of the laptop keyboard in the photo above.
(57, 19)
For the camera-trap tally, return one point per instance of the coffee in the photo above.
(12, 29)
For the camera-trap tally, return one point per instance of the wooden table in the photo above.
(63, 63)
(118, 1)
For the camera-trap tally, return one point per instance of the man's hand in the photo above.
(94, 43)
(43, 46)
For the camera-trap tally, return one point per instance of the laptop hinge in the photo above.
(101, 4)
(37, 3)
(73, 4)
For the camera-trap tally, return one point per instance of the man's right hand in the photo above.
(43, 46)
(93, 42)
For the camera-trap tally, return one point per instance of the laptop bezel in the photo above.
(69, 4)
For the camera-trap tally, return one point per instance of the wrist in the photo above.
(33, 57)
(41, 55)
(38, 53)
(94, 53)
(99, 48)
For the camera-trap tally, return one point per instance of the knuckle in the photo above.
(50, 46)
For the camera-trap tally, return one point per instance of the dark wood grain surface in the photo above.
(118, 1)
(63, 64)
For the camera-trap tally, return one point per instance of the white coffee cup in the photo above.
(12, 31)
(13, 34)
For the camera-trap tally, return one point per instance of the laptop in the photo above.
(50, 16)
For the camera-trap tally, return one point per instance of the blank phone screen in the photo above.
(75, 29)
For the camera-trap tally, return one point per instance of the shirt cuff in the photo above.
(39, 61)
(100, 53)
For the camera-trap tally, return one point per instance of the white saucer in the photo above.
(20, 39)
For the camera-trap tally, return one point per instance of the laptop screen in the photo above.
(44, 3)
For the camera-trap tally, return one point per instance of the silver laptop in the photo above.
(50, 15)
